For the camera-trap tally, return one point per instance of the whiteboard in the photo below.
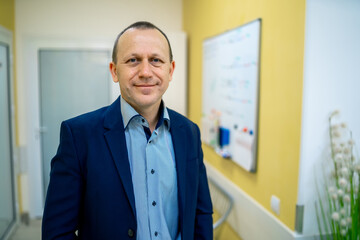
(231, 93)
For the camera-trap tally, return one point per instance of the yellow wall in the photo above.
(7, 16)
(281, 79)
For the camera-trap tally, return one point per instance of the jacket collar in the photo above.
(113, 118)
(115, 138)
(180, 142)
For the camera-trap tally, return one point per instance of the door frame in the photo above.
(29, 67)
(6, 37)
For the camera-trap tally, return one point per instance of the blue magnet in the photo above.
(224, 136)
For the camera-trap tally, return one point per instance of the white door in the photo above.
(72, 82)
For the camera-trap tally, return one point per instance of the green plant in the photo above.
(338, 212)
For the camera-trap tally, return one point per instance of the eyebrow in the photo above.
(157, 55)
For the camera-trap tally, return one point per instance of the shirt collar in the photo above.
(128, 113)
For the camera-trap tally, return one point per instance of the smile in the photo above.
(145, 85)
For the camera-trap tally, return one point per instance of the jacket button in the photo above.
(130, 233)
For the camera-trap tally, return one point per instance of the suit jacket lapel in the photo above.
(115, 138)
(179, 142)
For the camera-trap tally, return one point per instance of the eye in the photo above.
(156, 61)
(131, 60)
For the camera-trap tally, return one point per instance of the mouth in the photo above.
(145, 89)
(145, 85)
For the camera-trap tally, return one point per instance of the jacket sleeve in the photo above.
(204, 211)
(62, 205)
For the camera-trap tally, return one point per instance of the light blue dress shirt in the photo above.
(153, 172)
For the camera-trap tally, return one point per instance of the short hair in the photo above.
(139, 25)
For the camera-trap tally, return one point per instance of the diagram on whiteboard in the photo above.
(231, 93)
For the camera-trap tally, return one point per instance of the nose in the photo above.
(145, 70)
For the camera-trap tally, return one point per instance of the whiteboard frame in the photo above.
(252, 166)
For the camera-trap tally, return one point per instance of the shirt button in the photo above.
(150, 141)
(156, 234)
(143, 120)
(152, 171)
(154, 203)
(130, 233)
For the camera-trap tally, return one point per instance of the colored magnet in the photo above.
(224, 136)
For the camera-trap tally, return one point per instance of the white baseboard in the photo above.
(248, 218)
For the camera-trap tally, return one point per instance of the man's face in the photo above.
(143, 68)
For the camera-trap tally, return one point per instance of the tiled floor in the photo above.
(31, 232)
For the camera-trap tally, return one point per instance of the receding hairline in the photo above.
(130, 31)
(139, 26)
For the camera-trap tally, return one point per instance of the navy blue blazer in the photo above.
(91, 190)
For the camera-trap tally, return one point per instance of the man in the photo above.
(133, 169)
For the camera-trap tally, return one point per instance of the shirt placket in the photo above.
(152, 187)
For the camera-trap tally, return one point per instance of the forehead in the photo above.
(138, 38)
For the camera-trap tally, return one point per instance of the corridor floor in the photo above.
(30, 232)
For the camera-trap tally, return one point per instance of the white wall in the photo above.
(94, 23)
(331, 81)
(98, 20)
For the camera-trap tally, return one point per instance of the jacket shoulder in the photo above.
(180, 120)
(89, 119)
(175, 116)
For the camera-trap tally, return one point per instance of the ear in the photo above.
(112, 68)
(172, 68)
